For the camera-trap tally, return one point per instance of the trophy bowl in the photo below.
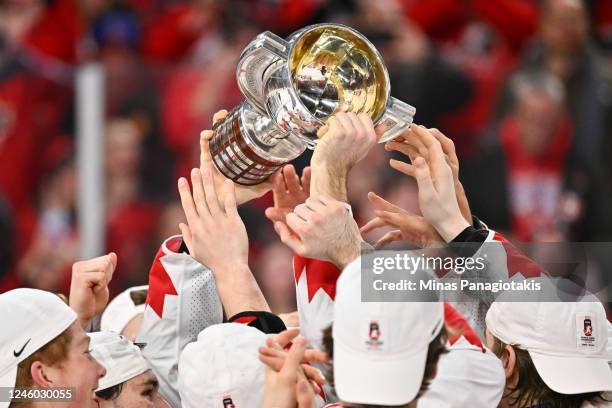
(291, 87)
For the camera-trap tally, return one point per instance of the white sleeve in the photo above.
(503, 261)
(182, 301)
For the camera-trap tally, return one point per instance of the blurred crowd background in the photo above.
(523, 87)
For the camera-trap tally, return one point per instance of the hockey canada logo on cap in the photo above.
(587, 340)
(374, 330)
(588, 326)
(227, 402)
(373, 336)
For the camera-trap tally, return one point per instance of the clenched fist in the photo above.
(89, 286)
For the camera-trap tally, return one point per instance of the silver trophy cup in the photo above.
(291, 86)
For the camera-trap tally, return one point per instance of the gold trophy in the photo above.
(291, 86)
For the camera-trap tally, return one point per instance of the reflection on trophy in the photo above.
(291, 86)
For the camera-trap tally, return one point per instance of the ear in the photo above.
(509, 362)
(41, 374)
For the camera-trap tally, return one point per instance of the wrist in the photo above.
(328, 181)
(451, 227)
(238, 289)
(348, 254)
(83, 318)
(334, 166)
(227, 271)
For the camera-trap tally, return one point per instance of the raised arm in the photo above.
(182, 301)
(216, 237)
(446, 218)
(345, 140)
(89, 287)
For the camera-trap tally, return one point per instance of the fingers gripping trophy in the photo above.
(291, 87)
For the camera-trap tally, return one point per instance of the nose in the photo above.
(101, 370)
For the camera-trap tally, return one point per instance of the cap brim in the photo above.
(8, 379)
(121, 377)
(573, 375)
(381, 381)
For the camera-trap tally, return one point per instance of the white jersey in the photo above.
(182, 301)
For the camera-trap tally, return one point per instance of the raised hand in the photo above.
(412, 144)
(345, 140)
(437, 195)
(288, 382)
(288, 191)
(281, 341)
(409, 227)
(243, 193)
(216, 237)
(321, 228)
(89, 286)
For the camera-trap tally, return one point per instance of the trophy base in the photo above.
(243, 144)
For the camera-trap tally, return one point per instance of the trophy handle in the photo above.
(397, 117)
(266, 48)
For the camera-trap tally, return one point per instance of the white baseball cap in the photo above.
(121, 310)
(380, 348)
(466, 377)
(31, 318)
(122, 359)
(222, 368)
(567, 341)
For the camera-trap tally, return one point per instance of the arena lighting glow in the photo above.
(291, 86)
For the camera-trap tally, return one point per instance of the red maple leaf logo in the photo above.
(160, 285)
(517, 262)
(319, 275)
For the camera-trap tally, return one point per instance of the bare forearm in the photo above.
(351, 252)
(239, 291)
(328, 181)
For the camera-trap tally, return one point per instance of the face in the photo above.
(138, 392)
(383, 11)
(80, 370)
(61, 187)
(123, 146)
(538, 118)
(564, 26)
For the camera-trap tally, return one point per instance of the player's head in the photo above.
(550, 355)
(42, 346)
(222, 368)
(124, 313)
(383, 353)
(128, 381)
